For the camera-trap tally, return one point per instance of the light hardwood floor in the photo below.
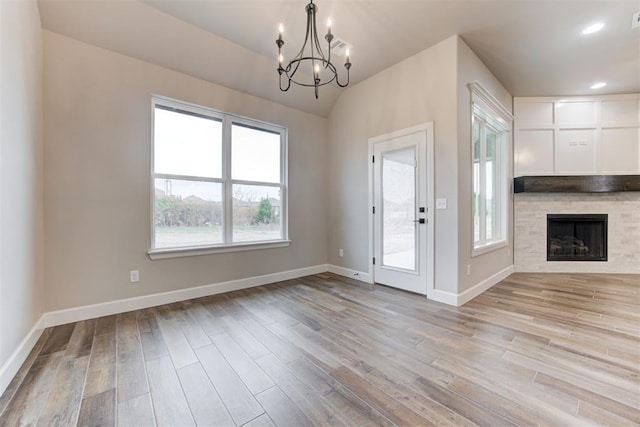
(536, 349)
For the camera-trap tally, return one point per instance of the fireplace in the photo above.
(581, 237)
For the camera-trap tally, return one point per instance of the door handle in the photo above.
(420, 221)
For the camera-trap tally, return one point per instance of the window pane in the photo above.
(187, 213)
(491, 180)
(399, 232)
(186, 144)
(476, 140)
(490, 201)
(476, 202)
(255, 155)
(257, 213)
(476, 181)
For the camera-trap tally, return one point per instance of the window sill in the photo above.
(489, 247)
(210, 250)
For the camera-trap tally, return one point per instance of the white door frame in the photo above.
(428, 127)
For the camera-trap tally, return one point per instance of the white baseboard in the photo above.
(466, 296)
(346, 272)
(476, 290)
(10, 368)
(444, 297)
(77, 314)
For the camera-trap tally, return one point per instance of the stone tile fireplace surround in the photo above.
(530, 237)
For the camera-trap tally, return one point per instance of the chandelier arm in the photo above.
(300, 53)
(343, 84)
(291, 73)
(284, 89)
(315, 42)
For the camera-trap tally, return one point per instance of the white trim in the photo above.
(227, 121)
(424, 127)
(11, 367)
(479, 288)
(77, 314)
(60, 317)
(208, 250)
(347, 272)
(444, 297)
(431, 214)
(370, 217)
(488, 247)
(464, 297)
(488, 105)
(487, 98)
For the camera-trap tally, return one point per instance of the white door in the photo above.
(401, 211)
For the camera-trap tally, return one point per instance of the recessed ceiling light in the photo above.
(598, 85)
(594, 28)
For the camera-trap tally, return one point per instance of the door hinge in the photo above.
(373, 159)
(374, 209)
(374, 260)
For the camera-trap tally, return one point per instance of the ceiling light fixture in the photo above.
(320, 68)
(598, 85)
(594, 28)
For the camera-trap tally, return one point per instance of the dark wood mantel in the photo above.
(576, 184)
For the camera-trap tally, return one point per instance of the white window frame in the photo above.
(488, 110)
(226, 181)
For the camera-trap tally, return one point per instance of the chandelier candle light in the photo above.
(322, 70)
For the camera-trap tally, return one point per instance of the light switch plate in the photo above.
(441, 203)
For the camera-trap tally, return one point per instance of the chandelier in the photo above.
(311, 58)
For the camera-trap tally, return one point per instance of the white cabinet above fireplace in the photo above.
(597, 135)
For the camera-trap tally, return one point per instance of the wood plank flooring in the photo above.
(536, 349)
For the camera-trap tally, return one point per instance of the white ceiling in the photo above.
(534, 47)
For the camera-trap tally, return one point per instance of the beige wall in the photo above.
(21, 210)
(97, 178)
(430, 86)
(417, 90)
(471, 69)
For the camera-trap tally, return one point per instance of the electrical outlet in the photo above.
(134, 276)
(341, 252)
(468, 269)
(441, 203)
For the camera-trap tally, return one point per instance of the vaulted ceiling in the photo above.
(534, 47)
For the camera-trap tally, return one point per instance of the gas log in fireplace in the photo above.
(581, 237)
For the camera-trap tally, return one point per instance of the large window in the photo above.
(490, 130)
(219, 180)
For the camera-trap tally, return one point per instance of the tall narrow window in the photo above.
(219, 180)
(490, 130)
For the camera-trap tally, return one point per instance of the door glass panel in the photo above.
(399, 209)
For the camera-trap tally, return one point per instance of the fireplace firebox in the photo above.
(580, 237)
